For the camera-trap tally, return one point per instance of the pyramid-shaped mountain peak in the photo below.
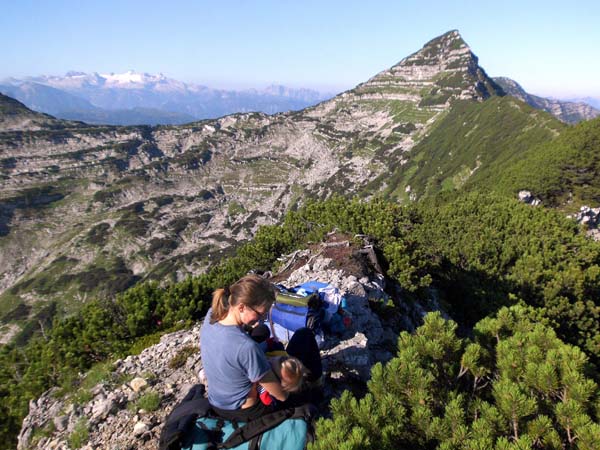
(451, 40)
(443, 70)
(448, 51)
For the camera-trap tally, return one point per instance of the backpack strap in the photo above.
(252, 430)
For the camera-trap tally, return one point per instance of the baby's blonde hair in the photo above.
(295, 372)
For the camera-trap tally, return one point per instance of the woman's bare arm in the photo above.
(270, 382)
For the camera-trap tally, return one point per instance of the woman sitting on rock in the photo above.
(232, 360)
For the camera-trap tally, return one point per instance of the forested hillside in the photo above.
(562, 173)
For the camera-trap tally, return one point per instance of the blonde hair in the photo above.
(251, 290)
(295, 372)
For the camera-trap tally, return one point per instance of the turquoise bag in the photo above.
(289, 435)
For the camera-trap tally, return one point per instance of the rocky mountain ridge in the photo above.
(444, 69)
(592, 101)
(569, 112)
(15, 117)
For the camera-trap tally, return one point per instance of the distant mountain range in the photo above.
(133, 98)
(140, 98)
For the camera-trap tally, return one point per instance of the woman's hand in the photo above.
(252, 397)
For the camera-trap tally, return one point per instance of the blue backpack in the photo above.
(307, 305)
(294, 311)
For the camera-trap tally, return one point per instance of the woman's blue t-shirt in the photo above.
(232, 362)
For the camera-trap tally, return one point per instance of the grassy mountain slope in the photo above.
(87, 211)
(471, 142)
(562, 173)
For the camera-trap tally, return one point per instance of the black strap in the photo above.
(254, 443)
(255, 428)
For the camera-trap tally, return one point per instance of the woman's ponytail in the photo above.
(220, 304)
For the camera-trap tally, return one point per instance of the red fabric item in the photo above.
(266, 398)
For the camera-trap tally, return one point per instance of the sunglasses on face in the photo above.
(261, 315)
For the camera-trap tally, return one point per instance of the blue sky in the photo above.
(550, 47)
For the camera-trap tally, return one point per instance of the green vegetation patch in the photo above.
(555, 171)
(182, 356)
(107, 196)
(235, 208)
(435, 99)
(132, 223)
(19, 312)
(491, 134)
(515, 384)
(178, 225)
(405, 128)
(161, 245)
(479, 253)
(196, 156)
(144, 342)
(109, 280)
(49, 279)
(451, 80)
(80, 435)
(35, 197)
(149, 401)
(45, 431)
(98, 234)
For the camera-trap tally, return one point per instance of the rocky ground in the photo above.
(127, 408)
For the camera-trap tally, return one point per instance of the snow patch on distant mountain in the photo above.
(131, 90)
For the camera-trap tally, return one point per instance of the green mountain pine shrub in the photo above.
(486, 251)
(514, 385)
(559, 171)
